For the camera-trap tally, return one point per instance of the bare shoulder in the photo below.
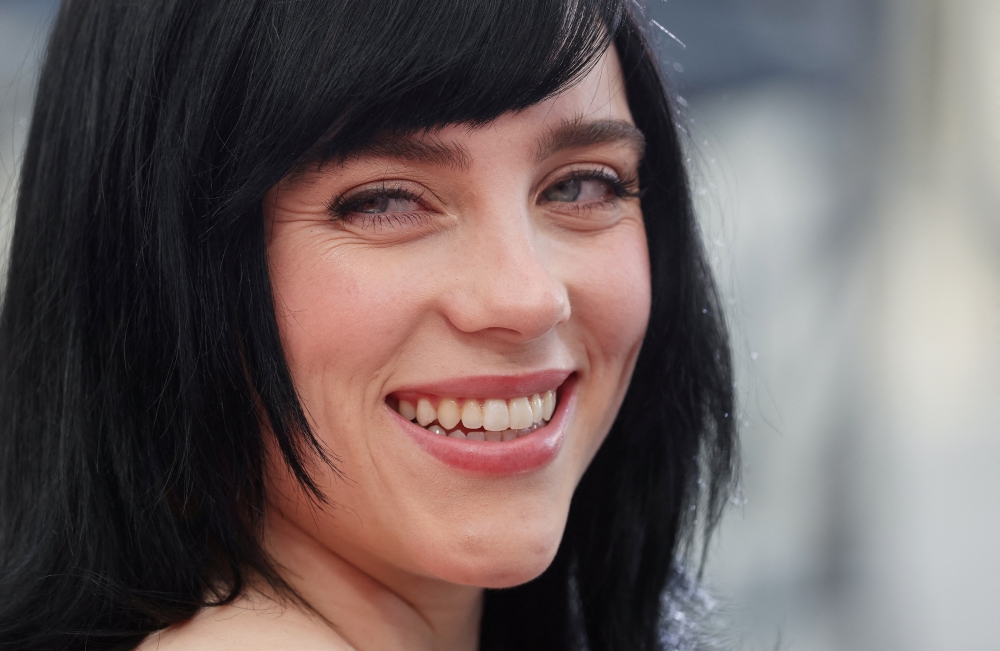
(248, 625)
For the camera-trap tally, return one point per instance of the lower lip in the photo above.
(494, 458)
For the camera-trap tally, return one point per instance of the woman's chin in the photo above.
(519, 562)
(498, 576)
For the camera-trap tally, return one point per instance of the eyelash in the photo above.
(346, 207)
(621, 187)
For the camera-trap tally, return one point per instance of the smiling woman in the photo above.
(329, 332)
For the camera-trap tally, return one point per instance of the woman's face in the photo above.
(462, 275)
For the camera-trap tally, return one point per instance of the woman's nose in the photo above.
(507, 284)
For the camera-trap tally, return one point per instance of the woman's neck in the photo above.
(370, 605)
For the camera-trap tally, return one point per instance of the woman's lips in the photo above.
(488, 386)
(537, 444)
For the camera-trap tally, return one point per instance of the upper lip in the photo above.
(490, 386)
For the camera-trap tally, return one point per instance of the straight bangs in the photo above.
(333, 82)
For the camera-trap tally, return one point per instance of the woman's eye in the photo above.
(378, 208)
(579, 191)
(382, 205)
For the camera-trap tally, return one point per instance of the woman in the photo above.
(322, 318)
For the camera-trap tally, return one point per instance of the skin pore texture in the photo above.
(464, 261)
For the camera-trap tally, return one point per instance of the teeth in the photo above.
(407, 410)
(495, 416)
(425, 412)
(548, 404)
(448, 413)
(502, 420)
(472, 415)
(536, 408)
(520, 413)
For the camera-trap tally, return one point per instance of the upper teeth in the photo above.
(492, 415)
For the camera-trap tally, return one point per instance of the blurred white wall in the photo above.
(853, 215)
(846, 158)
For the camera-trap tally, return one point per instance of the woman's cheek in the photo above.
(341, 310)
(612, 294)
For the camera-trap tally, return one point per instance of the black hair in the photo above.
(139, 350)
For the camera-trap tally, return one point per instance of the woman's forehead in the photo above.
(599, 93)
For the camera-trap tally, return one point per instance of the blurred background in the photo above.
(846, 163)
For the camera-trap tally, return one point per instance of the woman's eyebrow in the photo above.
(577, 133)
(407, 147)
(418, 150)
(569, 134)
